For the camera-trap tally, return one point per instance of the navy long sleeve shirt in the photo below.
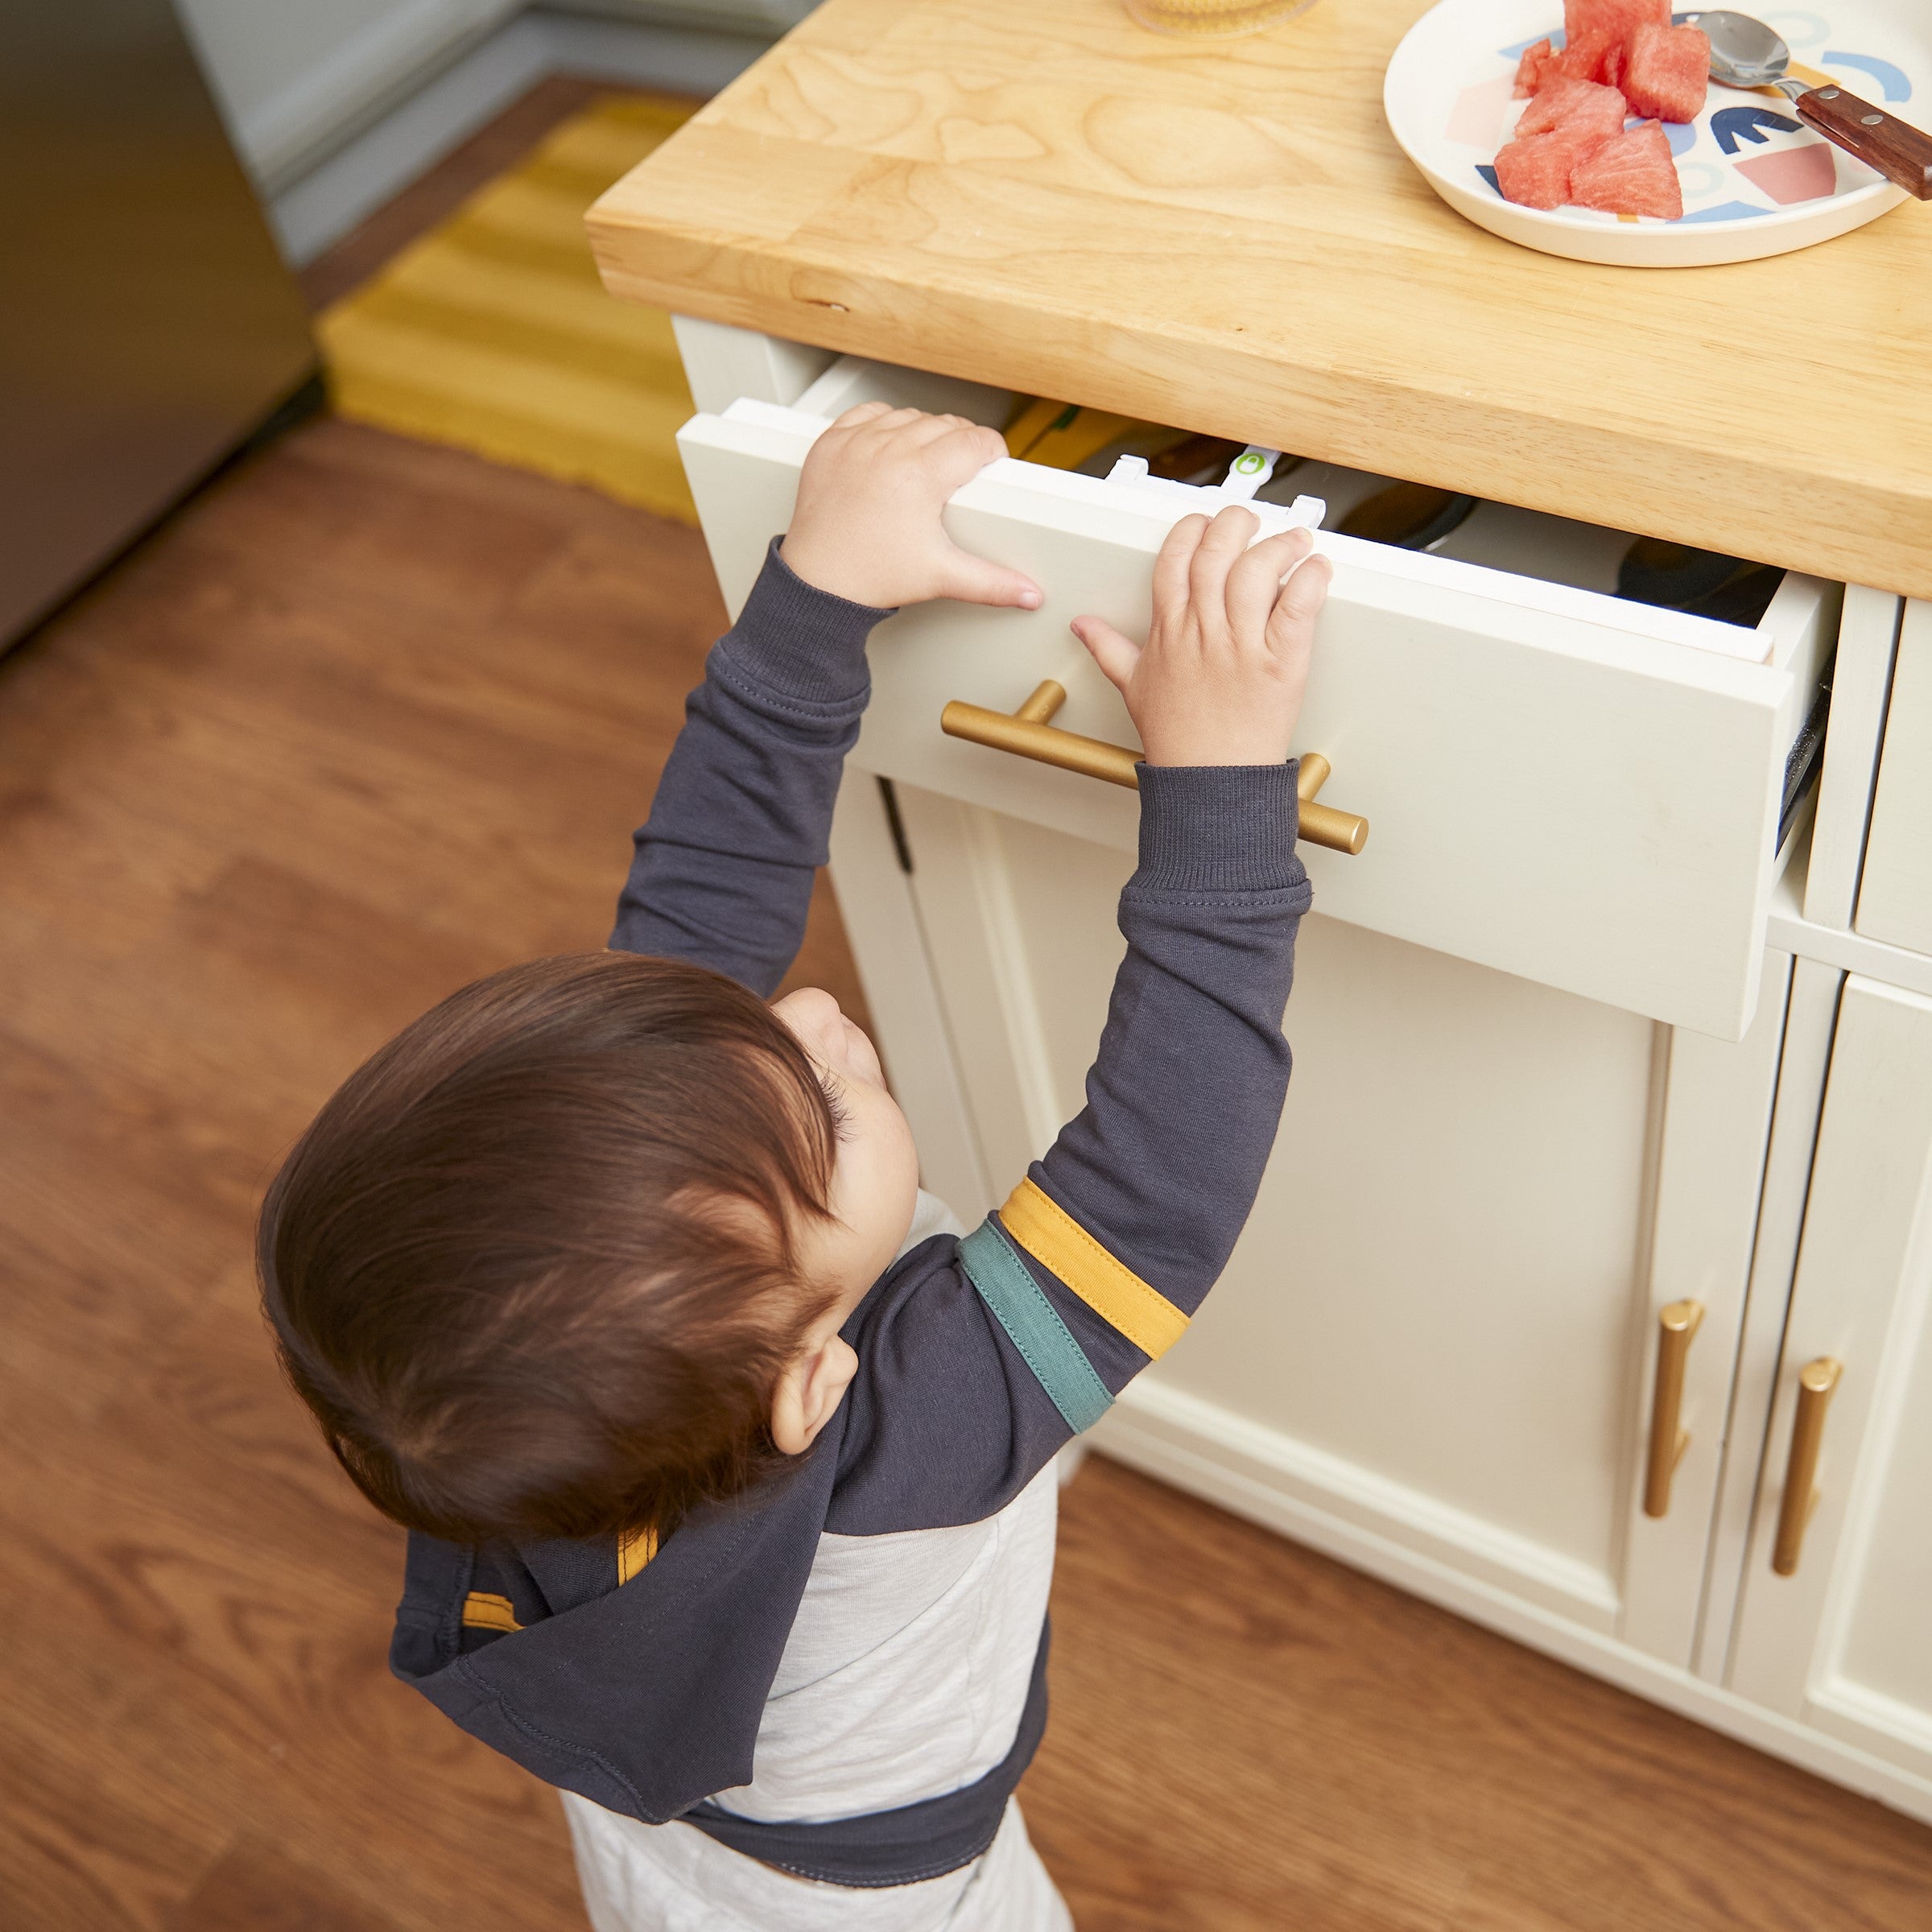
(978, 1359)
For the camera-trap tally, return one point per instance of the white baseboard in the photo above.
(326, 203)
(1210, 1453)
(682, 59)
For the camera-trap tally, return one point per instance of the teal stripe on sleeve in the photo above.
(994, 1268)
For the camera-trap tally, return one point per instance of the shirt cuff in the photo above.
(799, 641)
(1219, 829)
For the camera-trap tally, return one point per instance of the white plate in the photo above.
(1752, 187)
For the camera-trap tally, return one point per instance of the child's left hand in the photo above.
(867, 525)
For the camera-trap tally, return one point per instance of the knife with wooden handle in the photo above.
(1900, 151)
(1746, 53)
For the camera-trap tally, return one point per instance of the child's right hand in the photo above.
(867, 525)
(1221, 678)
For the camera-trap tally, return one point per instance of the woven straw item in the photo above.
(1203, 18)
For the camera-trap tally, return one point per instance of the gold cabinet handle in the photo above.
(1677, 1327)
(1028, 733)
(1816, 1382)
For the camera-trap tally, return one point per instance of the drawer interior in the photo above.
(1734, 592)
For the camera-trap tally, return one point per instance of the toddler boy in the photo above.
(726, 1460)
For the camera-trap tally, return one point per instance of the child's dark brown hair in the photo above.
(533, 1266)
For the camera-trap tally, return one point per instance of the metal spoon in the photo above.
(1746, 53)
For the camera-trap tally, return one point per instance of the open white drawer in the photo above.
(1565, 786)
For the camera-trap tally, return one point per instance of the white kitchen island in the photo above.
(1586, 1294)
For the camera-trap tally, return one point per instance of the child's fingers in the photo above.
(975, 580)
(1291, 624)
(1171, 565)
(930, 429)
(860, 413)
(881, 419)
(1214, 556)
(958, 455)
(1115, 655)
(1254, 582)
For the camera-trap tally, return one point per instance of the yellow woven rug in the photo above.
(493, 333)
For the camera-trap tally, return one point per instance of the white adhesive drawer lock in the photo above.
(1246, 474)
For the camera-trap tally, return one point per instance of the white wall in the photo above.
(369, 156)
(295, 78)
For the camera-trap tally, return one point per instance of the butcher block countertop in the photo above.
(1225, 236)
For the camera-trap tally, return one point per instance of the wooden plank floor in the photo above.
(365, 721)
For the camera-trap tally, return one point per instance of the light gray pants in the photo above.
(672, 1878)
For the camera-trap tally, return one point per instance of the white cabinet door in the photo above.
(1433, 1350)
(1843, 1641)
(1554, 777)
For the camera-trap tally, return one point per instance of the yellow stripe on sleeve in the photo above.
(635, 1549)
(484, 1610)
(1112, 1290)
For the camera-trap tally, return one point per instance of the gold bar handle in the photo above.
(1028, 734)
(1677, 1327)
(1817, 1381)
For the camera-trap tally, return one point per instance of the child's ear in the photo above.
(809, 1393)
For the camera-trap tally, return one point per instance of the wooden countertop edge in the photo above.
(1739, 502)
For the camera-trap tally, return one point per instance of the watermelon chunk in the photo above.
(1591, 56)
(1530, 69)
(1633, 173)
(1581, 104)
(1614, 19)
(1535, 171)
(1669, 71)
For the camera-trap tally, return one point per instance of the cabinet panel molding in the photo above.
(1344, 1491)
(1861, 679)
(1895, 894)
(1710, 1171)
(1198, 1452)
(1810, 1017)
(889, 948)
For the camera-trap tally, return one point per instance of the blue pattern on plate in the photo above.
(1731, 125)
(1727, 211)
(1892, 79)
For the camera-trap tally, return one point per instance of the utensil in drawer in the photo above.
(1746, 53)
(1064, 436)
(1408, 516)
(1028, 733)
(1705, 583)
(1197, 460)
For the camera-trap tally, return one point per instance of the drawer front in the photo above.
(1895, 895)
(1571, 788)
